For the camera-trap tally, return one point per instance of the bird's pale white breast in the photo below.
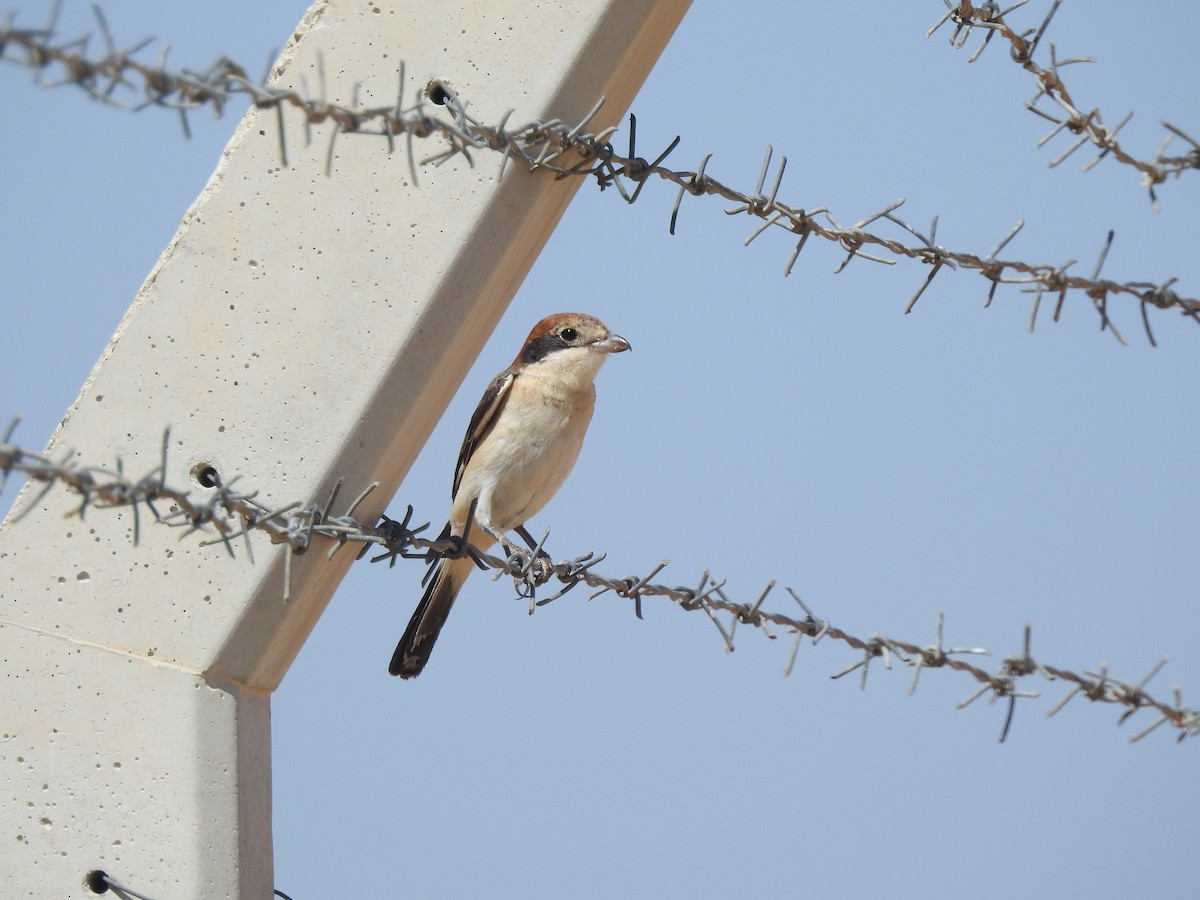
(526, 458)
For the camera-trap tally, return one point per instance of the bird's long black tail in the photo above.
(412, 653)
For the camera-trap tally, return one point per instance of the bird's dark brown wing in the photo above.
(482, 421)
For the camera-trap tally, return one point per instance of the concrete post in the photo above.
(299, 328)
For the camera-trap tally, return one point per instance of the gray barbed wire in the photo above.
(553, 146)
(1089, 126)
(100, 882)
(232, 513)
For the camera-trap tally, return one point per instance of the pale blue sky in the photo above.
(802, 429)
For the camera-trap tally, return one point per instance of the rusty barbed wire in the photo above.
(232, 513)
(1090, 128)
(567, 150)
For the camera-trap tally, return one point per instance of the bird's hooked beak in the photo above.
(614, 343)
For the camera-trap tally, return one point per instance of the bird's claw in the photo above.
(515, 555)
(542, 568)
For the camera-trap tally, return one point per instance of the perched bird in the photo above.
(521, 444)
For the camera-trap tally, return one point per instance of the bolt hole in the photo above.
(206, 475)
(438, 92)
(96, 881)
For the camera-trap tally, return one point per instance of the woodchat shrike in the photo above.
(521, 444)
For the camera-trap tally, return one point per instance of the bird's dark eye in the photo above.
(568, 334)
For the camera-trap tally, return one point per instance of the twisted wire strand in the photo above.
(233, 513)
(566, 150)
(1088, 126)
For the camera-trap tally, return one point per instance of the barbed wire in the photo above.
(568, 150)
(1089, 126)
(233, 513)
(100, 882)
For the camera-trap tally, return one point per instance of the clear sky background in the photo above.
(802, 429)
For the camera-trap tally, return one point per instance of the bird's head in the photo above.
(570, 336)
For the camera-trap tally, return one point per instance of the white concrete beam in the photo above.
(298, 329)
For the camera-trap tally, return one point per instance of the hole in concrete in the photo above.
(206, 475)
(438, 92)
(96, 881)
